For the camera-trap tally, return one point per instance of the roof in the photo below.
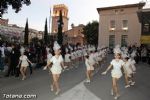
(144, 15)
(145, 10)
(140, 5)
(60, 6)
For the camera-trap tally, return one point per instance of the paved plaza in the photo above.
(74, 88)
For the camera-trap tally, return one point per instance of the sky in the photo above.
(80, 11)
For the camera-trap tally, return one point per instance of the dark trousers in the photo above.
(143, 59)
(148, 60)
(31, 70)
(13, 70)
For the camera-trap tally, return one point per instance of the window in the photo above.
(121, 10)
(125, 24)
(124, 40)
(112, 25)
(116, 11)
(111, 41)
(56, 12)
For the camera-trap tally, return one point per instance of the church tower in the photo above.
(55, 17)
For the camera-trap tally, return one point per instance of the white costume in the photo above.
(56, 67)
(132, 62)
(22, 50)
(88, 66)
(24, 62)
(116, 71)
(128, 68)
(91, 59)
(67, 57)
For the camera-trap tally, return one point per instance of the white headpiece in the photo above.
(117, 49)
(56, 46)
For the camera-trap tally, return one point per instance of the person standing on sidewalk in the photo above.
(56, 69)
(14, 59)
(116, 72)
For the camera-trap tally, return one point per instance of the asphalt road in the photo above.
(73, 86)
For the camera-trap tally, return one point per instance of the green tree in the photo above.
(16, 5)
(26, 34)
(45, 33)
(35, 40)
(60, 27)
(91, 32)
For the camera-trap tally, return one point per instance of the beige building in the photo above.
(14, 32)
(74, 35)
(119, 25)
(4, 22)
(55, 17)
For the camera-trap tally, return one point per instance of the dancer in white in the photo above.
(24, 63)
(116, 73)
(128, 72)
(67, 59)
(56, 69)
(132, 62)
(89, 69)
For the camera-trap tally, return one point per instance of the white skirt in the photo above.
(24, 64)
(56, 70)
(67, 60)
(90, 68)
(116, 74)
(133, 67)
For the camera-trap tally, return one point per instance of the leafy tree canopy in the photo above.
(15, 4)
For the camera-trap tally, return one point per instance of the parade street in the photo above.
(73, 86)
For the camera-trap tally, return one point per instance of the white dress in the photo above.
(128, 68)
(132, 62)
(72, 56)
(56, 67)
(24, 62)
(91, 59)
(116, 71)
(49, 56)
(88, 66)
(67, 57)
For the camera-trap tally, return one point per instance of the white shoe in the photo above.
(127, 86)
(57, 92)
(133, 83)
(52, 88)
(24, 78)
(130, 81)
(87, 81)
(116, 97)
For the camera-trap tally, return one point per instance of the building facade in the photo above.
(119, 25)
(75, 35)
(55, 17)
(4, 22)
(16, 33)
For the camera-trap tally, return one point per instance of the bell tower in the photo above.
(55, 17)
